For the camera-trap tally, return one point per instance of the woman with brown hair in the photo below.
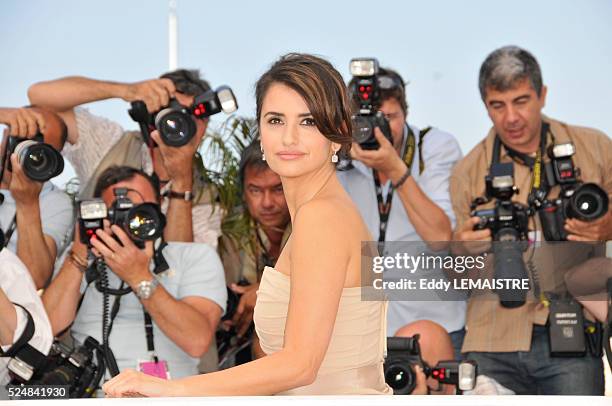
(319, 336)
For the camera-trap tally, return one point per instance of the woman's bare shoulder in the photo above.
(329, 214)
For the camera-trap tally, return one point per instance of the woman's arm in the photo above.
(319, 258)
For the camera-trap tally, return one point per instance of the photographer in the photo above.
(17, 288)
(95, 143)
(34, 214)
(269, 229)
(401, 190)
(511, 344)
(184, 300)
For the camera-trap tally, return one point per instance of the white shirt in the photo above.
(17, 284)
(440, 153)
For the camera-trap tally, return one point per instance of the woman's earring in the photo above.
(334, 158)
(263, 156)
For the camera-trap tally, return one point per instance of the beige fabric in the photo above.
(489, 326)
(354, 360)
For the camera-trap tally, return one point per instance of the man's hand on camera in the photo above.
(421, 382)
(178, 162)
(385, 159)
(24, 190)
(597, 230)
(474, 241)
(155, 93)
(22, 122)
(244, 313)
(123, 257)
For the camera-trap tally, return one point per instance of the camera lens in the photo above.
(176, 127)
(362, 129)
(401, 378)
(589, 202)
(40, 161)
(145, 222)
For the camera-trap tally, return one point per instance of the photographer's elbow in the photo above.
(198, 347)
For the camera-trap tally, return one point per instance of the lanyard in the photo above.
(148, 324)
(10, 231)
(384, 204)
(539, 186)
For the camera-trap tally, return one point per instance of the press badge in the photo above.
(153, 368)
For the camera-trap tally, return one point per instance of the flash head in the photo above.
(363, 67)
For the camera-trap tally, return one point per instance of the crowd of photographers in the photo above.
(145, 278)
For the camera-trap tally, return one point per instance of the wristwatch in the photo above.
(186, 196)
(145, 289)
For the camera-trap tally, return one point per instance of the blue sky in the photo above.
(436, 45)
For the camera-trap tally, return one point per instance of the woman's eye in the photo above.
(274, 120)
(309, 121)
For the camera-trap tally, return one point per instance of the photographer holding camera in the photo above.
(20, 310)
(34, 214)
(513, 340)
(178, 288)
(399, 182)
(95, 143)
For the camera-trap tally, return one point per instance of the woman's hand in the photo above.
(132, 384)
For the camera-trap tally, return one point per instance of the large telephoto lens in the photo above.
(509, 264)
(589, 202)
(176, 127)
(40, 162)
(145, 222)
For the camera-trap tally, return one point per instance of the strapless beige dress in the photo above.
(354, 360)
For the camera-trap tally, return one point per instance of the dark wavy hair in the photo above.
(322, 88)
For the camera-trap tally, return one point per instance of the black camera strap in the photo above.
(11, 230)
(148, 324)
(384, 204)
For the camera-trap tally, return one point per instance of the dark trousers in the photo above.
(537, 373)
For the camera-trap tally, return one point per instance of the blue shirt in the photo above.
(195, 270)
(440, 153)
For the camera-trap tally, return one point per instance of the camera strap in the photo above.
(539, 187)
(384, 204)
(148, 324)
(9, 233)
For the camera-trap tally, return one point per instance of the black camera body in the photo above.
(40, 161)
(582, 201)
(365, 71)
(80, 368)
(176, 123)
(508, 222)
(142, 222)
(404, 353)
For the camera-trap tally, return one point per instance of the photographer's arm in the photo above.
(64, 94)
(318, 273)
(8, 319)
(428, 219)
(62, 296)
(35, 249)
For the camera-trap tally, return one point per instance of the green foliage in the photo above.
(221, 150)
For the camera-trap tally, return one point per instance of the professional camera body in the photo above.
(176, 123)
(366, 87)
(40, 161)
(582, 201)
(403, 353)
(142, 222)
(80, 368)
(508, 222)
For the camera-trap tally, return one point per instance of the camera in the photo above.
(176, 123)
(40, 161)
(582, 201)
(80, 368)
(366, 90)
(142, 222)
(508, 222)
(404, 353)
